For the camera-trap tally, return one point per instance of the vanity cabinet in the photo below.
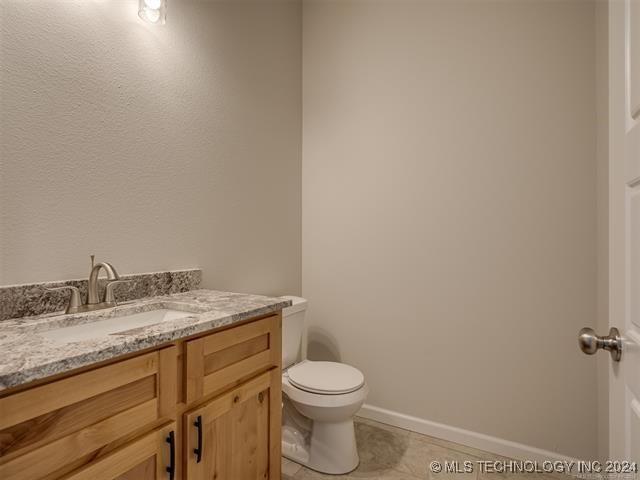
(135, 419)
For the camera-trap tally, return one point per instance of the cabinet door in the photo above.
(148, 458)
(236, 436)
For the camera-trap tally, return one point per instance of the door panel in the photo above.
(632, 90)
(635, 429)
(237, 440)
(631, 368)
(634, 254)
(624, 214)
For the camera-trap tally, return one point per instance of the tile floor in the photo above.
(389, 453)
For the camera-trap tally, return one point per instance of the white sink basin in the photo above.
(110, 326)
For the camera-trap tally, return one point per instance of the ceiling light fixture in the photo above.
(153, 11)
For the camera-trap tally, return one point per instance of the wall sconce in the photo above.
(153, 11)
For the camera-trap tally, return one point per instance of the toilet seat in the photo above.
(325, 378)
(319, 400)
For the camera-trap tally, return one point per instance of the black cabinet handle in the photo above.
(198, 451)
(171, 469)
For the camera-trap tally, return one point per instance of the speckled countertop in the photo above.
(28, 355)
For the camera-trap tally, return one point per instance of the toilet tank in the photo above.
(293, 331)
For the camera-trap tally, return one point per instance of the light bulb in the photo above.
(152, 11)
(150, 14)
(153, 4)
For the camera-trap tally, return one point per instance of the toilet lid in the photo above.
(328, 378)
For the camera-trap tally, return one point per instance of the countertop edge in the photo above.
(24, 376)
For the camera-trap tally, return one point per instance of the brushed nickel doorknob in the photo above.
(590, 343)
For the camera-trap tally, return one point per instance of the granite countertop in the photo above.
(27, 355)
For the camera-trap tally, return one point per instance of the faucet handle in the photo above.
(109, 296)
(74, 300)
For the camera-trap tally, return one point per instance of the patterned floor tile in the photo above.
(390, 453)
(289, 469)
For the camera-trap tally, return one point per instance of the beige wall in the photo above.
(152, 147)
(602, 189)
(449, 209)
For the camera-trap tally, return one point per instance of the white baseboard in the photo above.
(476, 440)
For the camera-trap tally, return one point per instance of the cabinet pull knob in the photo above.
(198, 450)
(171, 469)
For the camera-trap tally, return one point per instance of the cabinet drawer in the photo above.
(222, 359)
(48, 430)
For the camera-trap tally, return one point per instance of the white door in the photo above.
(624, 214)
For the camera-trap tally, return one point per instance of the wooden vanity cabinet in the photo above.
(143, 418)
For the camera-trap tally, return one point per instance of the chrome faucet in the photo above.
(93, 297)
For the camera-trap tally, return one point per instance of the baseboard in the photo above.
(476, 440)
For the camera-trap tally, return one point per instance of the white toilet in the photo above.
(320, 400)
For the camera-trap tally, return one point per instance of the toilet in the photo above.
(320, 400)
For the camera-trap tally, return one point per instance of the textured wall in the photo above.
(154, 147)
(449, 199)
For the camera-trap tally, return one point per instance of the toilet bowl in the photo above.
(331, 445)
(320, 400)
